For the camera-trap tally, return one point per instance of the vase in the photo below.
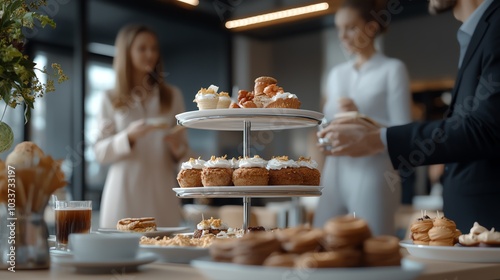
(23, 241)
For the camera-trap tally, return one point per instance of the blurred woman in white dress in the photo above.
(134, 120)
(375, 86)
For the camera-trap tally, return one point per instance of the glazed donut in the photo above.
(281, 260)
(258, 244)
(308, 241)
(393, 259)
(346, 226)
(222, 249)
(332, 242)
(384, 244)
(341, 258)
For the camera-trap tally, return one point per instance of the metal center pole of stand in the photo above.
(247, 201)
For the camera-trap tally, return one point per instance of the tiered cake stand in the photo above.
(248, 120)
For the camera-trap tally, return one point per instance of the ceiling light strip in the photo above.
(190, 2)
(277, 15)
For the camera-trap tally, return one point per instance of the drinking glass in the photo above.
(324, 142)
(71, 217)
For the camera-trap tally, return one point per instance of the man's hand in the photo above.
(353, 137)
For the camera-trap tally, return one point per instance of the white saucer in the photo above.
(111, 266)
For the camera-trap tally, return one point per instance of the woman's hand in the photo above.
(347, 105)
(138, 129)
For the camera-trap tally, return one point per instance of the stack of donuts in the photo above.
(343, 242)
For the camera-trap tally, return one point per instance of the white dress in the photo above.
(140, 179)
(367, 186)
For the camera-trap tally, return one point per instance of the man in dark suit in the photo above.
(467, 140)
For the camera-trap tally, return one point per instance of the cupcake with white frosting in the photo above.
(283, 171)
(190, 174)
(224, 100)
(207, 98)
(217, 172)
(251, 172)
(308, 168)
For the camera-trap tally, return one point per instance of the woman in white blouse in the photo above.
(378, 87)
(143, 156)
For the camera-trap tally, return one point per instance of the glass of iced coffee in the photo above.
(71, 217)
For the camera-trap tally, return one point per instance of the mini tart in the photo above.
(224, 100)
(190, 174)
(283, 171)
(309, 171)
(251, 172)
(217, 172)
(207, 98)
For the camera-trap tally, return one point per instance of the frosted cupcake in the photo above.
(190, 174)
(251, 172)
(283, 171)
(308, 168)
(224, 100)
(207, 98)
(217, 172)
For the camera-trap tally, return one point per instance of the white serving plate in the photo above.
(161, 231)
(252, 191)
(175, 254)
(228, 271)
(260, 118)
(111, 266)
(453, 253)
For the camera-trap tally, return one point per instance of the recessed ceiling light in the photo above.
(278, 16)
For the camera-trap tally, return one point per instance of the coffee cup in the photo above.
(104, 247)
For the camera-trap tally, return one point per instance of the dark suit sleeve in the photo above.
(471, 132)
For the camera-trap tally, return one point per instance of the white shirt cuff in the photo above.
(383, 136)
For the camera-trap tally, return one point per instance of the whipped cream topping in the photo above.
(212, 224)
(218, 162)
(491, 236)
(224, 96)
(283, 95)
(193, 164)
(307, 162)
(278, 163)
(256, 161)
(477, 229)
(235, 163)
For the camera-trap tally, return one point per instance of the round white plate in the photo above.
(175, 254)
(107, 266)
(228, 271)
(452, 253)
(260, 118)
(161, 231)
(253, 191)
